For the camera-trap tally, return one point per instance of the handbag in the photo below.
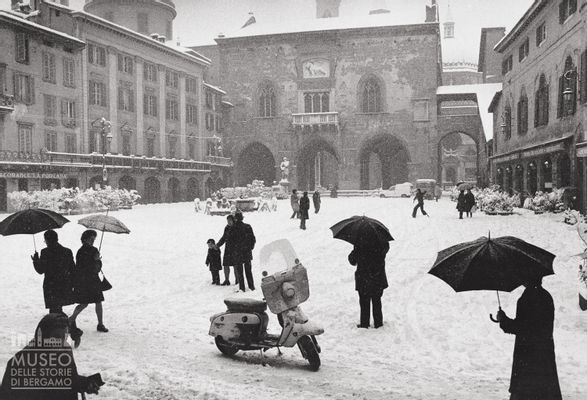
(104, 284)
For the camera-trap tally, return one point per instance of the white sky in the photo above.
(199, 21)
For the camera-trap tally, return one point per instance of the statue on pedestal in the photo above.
(284, 166)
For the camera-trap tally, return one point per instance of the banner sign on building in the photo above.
(544, 150)
(32, 175)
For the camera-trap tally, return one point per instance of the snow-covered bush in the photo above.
(548, 202)
(494, 201)
(573, 217)
(255, 189)
(74, 200)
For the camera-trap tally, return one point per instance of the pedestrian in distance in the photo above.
(56, 263)
(469, 203)
(295, 204)
(87, 285)
(461, 203)
(304, 210)
(316, 200)
(197, 206)
(245, 243)
(229, 259)
(274, 203)
(370, 280)
(437, 192)
(420, 205)
(213, 261)
(49, 364)
(534, 373)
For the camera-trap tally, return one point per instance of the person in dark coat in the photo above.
(56, 262)
(295, 204)
(469, 202)
(213, 261)
(370, 280)
(316, 200)
(229, 259)
(534, 373)
(46, 356)
(245, 243)
(420, 198)
(87, 286)
(461, 203)
(304, 210)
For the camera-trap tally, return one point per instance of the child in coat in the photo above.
(213, 261)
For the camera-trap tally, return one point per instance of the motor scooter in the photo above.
(243, 326)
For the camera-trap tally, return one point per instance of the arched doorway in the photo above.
(509, 179)
(152, 190)
(499, 178)
(384, 162)
(127, 182)
(450, 176)
(546, 167)
(519, 178)
(458, 150)
(71, 183)
(174, 190)
(210, 187)
(3, 200)
(95, 182)
(255, 162)
(317, 165)
(192, 189)
(564, 166)
(532, 178)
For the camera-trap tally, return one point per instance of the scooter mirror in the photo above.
(264, 273)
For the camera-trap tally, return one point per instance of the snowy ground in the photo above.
(435, 344)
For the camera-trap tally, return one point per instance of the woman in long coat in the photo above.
(370, 280)
(534, 373)
(461, 203)
(469, 202)
(229, 258)
(87, 288)
(304, 210)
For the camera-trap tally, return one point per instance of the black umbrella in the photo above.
(361, 230)
(31, 221)
(503, 263)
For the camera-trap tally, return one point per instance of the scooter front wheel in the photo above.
(225, 347)
(310, 352)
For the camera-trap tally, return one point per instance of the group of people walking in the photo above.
(67, 282)
(240, 240)
(465, 203)
(301, 206)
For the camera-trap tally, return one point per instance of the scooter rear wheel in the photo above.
(310, 352)
(225, 347)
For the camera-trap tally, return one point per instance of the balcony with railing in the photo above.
(322, 119)
(6, 104)
(219, 161)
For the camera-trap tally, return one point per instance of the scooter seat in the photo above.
(245, 305)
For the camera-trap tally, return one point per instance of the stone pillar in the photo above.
(539, 175)
(162, 118)
(140, 138)
(113, 103)
(182, 118)
(525, 177)
(556, 178)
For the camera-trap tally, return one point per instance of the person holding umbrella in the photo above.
(56, 263)
(469, 202)
(87, 283)
(370, 239)
(534, 373)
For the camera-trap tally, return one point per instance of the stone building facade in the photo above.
(539, 117)
(350, 103)
(150, 92)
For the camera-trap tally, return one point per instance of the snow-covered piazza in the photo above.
(435, 343)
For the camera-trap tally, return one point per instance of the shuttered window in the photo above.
(69, 72)
(48, 67)
(24, 88)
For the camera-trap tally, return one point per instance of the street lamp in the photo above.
(568, 93)
(105, 128)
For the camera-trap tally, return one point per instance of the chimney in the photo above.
(432, 12)
(250, 21)
(154, 36)
(379, 7)
(162, 39)
(15, 5)
(327, 8)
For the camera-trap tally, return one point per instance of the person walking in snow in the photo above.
(316, 200)
(461, 203)
(229, 259)
(295, 204)
(469, 203)
(304, 210)
(370, 280)
(56, 263)
(420, 205)
(245, 243)
(534, 372)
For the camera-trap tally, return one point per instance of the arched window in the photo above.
(371, 97)
(507, 119)
(267, 102)
(567, 91)
(523, 114)
(542, 103)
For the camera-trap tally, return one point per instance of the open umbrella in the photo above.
(503, 263)
(31, 221)
(104, 223)
(361, 230)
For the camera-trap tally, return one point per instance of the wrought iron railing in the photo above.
(217, 160)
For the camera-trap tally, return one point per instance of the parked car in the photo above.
(428, 186)
(399, 190)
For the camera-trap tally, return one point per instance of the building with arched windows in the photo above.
(351, 102)
(539, 140)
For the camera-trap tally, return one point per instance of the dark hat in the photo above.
(211, 241)
(238, 216)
